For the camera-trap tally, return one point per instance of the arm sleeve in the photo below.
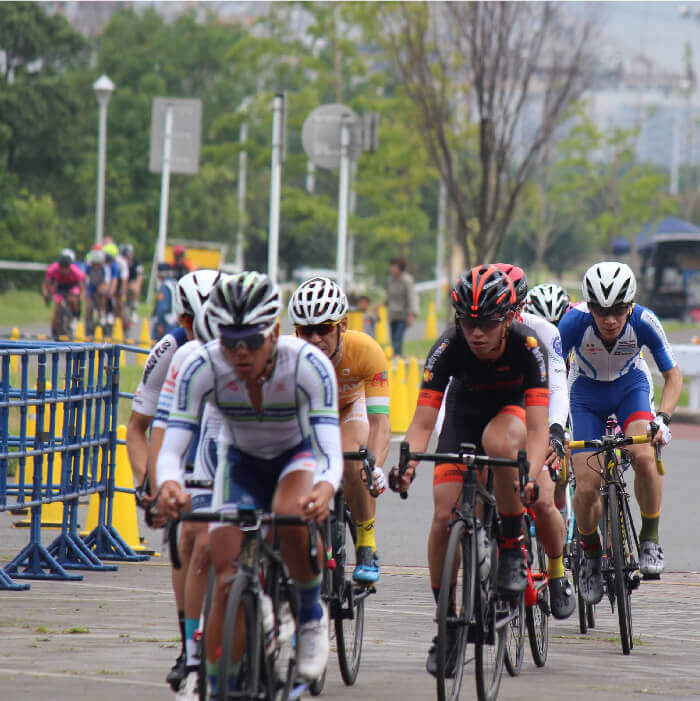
(436, 372)
(193, 385)
(376, 372)
(317, 390)
(146, 397)
(536, 375)
(653, 336)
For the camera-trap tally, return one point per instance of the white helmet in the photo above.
(202, 325)
(244, 299)
(193, 290)
(548, 301)
(609, 283)
(316, 301)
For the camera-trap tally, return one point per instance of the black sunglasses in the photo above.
(469, 324)
(232, 339)
(616, 310)
(320, 329)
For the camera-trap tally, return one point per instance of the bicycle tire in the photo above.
(316, 686)
(490, 645)
(460, 556)
(206, 607)
(537, 615)
(248, 682)
(622, 588)
(515, 640)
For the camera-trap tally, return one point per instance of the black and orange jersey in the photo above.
(518, 377)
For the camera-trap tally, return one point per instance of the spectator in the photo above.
(400, 301)
(369, 319)
(164, 314)
(181, 265)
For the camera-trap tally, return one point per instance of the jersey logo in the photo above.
(427, 375)
(435, 355)
(233, 386)
(381, 378)
(280, 387)
(531, 342)
(345, 371)
(173, 373)
(556, 346)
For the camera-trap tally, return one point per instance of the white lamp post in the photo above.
(103, 88)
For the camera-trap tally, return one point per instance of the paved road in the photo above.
(114, 634)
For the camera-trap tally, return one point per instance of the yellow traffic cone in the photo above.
(412, 385)
(381, 331)
(14, 359)
(80, 332)
(398, 409)
(99, 335)
(388, 353)
(118, 337)
(144, 342)
(431, 331)
(355, 320)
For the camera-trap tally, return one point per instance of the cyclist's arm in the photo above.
(137, 444)
(379, 440)
(673, 384)
(537, 441)
(422, 425)
(377, 396)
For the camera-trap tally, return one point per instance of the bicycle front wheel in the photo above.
(455, 610)
(623, 593)
(515, 638)
(537, 615)
(489, 651)
(349, 615)
(241, 618)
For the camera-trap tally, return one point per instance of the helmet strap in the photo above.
(269, 368)
(338, 349)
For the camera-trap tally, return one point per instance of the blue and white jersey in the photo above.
(299, 403)
(591, 358)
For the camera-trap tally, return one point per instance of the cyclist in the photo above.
(164, 310)
(64, 280)
(181, 264)
(190, 293)
(97, 290)
(279, 447)
(606, 334)
(116, 271)
(549, 523)
(133, 285)
(549, 301)
(497, 399)
(318, 309)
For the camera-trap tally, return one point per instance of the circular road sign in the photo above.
(320, 135)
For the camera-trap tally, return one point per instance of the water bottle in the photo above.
(268, 621)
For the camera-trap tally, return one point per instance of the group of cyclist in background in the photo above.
(267, 418)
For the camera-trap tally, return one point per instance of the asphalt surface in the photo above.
(115, 635)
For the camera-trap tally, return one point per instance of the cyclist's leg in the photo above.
(57, 301)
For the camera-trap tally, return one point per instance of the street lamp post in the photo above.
(103, 88)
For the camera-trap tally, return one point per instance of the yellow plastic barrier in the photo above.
(80, 332)
(431, 329)
(144, 342)
(381, 331)
(118, 337)
(412, 385)
(14, 359)
(355, 320)
(398, 409)
(388, 353)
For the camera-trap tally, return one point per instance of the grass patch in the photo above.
(77, 630)
(22, 307)
(41, 629)
(109, 673)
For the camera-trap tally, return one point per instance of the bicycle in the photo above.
(531, 607)
(345, 597)
(620, 562)
(480, 615)
(268, 669)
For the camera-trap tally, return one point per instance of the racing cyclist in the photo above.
(498, 400)
(279, 448)
(549, 301)
(64, 280)
(606, 334)
(549, 523)
(318, 309)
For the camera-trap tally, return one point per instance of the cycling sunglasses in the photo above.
(617, 310)
(469, 324)
(320, 329)
(250, 337)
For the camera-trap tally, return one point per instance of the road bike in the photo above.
(261, 585)
(345, 597)
(620, 561)
(469, 606)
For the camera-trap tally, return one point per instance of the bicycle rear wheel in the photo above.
(490, 644)
(515, 639)
(459, 568)
(623, 593)
(241, 602)
(206, 606)
(537, 615)
(350, 612)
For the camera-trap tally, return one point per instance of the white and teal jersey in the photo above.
(299, 402)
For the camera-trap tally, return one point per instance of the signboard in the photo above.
(186, 134)
(320, 135)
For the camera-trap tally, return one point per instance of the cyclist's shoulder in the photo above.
(295, 355)
(361, 350)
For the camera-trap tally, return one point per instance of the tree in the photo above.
(474, 70)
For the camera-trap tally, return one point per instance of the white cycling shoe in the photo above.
(312, 646)
(651, 559)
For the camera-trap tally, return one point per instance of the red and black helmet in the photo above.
(483, 292)
(518, 278)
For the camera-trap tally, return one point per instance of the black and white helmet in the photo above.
(549, 301)
(316, 301)
(202, 326)
(609, 283)
(244, 299)
(193, 289)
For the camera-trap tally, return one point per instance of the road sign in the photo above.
(186, 134)
(320, 135)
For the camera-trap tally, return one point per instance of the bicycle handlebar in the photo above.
(368, 461)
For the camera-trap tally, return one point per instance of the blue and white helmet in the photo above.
(609, 283)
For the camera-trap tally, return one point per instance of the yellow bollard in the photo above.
(398, 408)
(388, 353)
(412, 385)
(99, 335)
(118, 337)
(431, 331)
(14, 359)
(381, 331)
(80, 332)
(355, 320)
(144, 342)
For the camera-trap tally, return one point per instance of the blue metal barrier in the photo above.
(58, 417)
